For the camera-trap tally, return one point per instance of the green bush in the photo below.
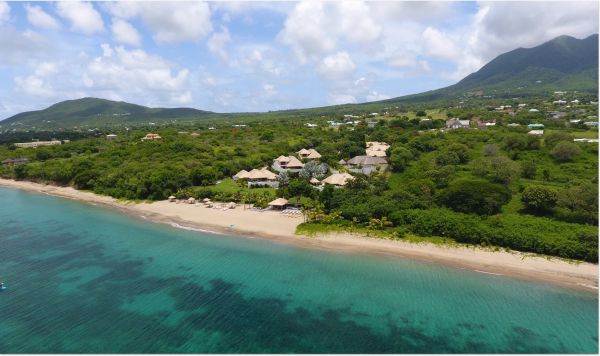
(475, 196)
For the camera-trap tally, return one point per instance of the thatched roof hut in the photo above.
(339, 179)
(279, 202)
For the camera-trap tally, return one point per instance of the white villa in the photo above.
(457, 124)
(258, 178)
(366, 164)
(37, 144)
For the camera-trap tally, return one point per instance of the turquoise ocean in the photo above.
(86, 279)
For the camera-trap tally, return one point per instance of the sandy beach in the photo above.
(281, 228)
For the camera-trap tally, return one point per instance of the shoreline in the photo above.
(281, 229)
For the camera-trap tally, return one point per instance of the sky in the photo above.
(260, 56)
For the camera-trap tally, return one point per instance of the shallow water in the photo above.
(84, 279)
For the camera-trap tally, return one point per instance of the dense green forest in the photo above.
(494, 186)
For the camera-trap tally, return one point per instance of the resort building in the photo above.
(258, 178)
(111, 136)
(16, 161)
(536, 132)
(457, 124)
(338, 179)
(376, 149)
(151, 136)
(535, 126)
(366, 164)
(35, 144)
(287, 163)
(310, 153)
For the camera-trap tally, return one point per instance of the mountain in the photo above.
(94, 111)
(564, 63)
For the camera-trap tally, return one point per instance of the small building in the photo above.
(314, 181)
(338, 179)
(559, 102)
(279, 203)
(309, 125)
(240, 175)
(194, 134)
(371, 124)
(16, 161)
(586, 140)
(111, 136)
(536, 132)
(534, 110)
(366, 164)
(535, 126)
(591, 123)
(457, 124)
(151, 136)
(258, 178)
(287, 163)
(310, 153)
(35, 144)
(514, 124)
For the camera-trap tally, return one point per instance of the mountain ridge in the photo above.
(563, 63)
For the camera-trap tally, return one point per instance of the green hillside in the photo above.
(94, 111)
(564, 63)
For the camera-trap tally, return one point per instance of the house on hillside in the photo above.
(457, 124)
(258, 178)
(35, 144)
(111, 136)
(151, 136)
(287, 163)
(536, 132)
(338, 179)
(535, 126)
(366, 164)
(16, 161)
(310, 153)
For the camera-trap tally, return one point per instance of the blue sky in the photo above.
(259, 56)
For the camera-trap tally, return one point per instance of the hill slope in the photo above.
(93, 111)
(564, 63)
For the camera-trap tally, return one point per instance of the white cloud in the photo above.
(315, 28)
(390, 11)
(124, 32)
(217, 42)
(39, 18)
(4, 11)
(33, 85)
(169, 21)
(37, 83)
(82, 16)
(337, 66)
(498, 27)
(440, 44)
(134, 71)
(20, 48)
(181, 98)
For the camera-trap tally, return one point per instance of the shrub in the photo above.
(539, 199)
(475, 196)
(565, 151)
